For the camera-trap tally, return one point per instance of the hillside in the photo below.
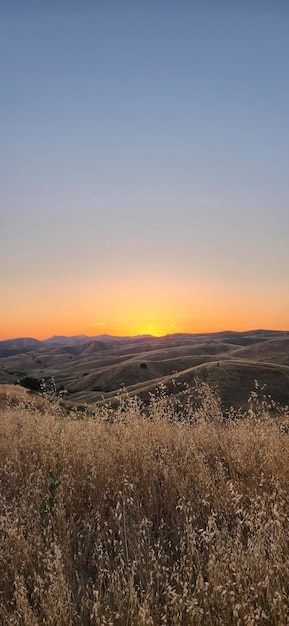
(96, 369)
(272, 350)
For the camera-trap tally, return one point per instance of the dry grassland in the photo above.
(165, 516)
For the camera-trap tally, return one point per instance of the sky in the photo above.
(144, 166)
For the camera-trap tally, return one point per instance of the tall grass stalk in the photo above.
(163, 516)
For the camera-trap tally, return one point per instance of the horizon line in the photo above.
(212, 332)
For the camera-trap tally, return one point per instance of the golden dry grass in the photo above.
(168, 516)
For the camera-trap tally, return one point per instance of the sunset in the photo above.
(144, 313)
(144, 168)
(158, 305)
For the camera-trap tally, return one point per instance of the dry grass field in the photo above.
(170, 514)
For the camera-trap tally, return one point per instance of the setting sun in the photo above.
(155, 328)
(144, 312)
(144, 185)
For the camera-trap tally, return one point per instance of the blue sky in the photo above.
(142, 142)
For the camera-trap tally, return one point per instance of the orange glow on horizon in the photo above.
(156, 328)
(129, 308)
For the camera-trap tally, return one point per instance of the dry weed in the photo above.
(171, 515)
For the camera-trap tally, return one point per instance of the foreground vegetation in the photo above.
(171, 514)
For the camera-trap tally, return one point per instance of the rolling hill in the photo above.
(97, 369)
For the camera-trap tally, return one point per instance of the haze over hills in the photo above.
(29, 343)
(22, 344)
(94, 369)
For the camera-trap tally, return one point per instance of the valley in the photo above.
(98, 369)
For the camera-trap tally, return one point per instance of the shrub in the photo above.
(31, 383)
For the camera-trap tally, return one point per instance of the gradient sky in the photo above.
(144, 166)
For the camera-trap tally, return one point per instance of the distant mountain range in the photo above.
(26, 344)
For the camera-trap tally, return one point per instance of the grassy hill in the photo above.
(271, 351)
(96, 368)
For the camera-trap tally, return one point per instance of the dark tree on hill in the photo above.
(31, 383)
